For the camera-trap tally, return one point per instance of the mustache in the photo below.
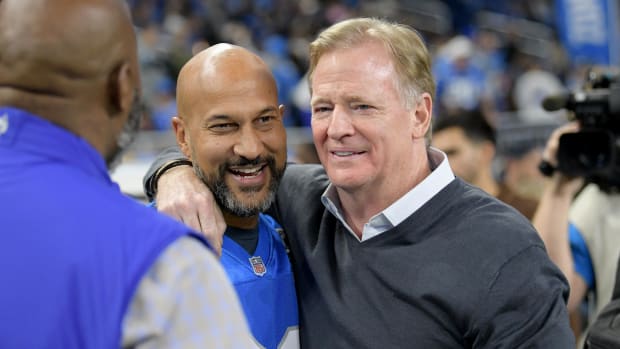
(224, 197)
(241, 161)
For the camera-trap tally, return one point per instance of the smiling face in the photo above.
(364, 134)
(231, 128)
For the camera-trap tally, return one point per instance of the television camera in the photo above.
(594, 152)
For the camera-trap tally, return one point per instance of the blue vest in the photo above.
(265, 286)
(73, 248)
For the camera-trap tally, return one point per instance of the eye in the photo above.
(223, 127)
(321, 109)
(266, 119)
(264, 122)
(361, 107)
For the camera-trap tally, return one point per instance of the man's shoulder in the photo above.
(295, 171)
(304, 179)
(184, 253)
(144, 223)
(525, 205)
(462, 196)
(106, 208)
(484, 221)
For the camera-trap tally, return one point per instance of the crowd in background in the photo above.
(500, 57)
(496, 56)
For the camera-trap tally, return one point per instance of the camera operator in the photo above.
(578, 218)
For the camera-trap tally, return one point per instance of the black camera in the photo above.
(594, 151)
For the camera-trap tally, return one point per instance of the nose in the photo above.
(340, 124)
(249, 145)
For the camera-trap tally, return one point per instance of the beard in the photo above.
(128, 133)
(227, 200)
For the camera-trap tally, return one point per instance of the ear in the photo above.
(121, 89)
(422, 116)
(182, 136)
(281, 110)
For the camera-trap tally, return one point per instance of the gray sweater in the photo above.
(463, 271)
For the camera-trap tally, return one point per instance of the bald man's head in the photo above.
(73, 62)
(230, 125)
(215, 69)
(45, 42)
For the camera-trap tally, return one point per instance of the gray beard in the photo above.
(128, 134)
(226, 200)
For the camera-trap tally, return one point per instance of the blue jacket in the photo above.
(73, 248)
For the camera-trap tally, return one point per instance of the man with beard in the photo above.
(229, 125)
(389, 249)
(84, 266)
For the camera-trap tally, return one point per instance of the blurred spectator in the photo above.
(490, 57)
(300, 98)
(276, 54)
(164, 105)
(530, 89)
(519, 147)
(483, 49)
(469, 141)
(460, 83)
(520, 171)
(152, 53)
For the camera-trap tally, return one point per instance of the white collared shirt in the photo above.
(441, 175)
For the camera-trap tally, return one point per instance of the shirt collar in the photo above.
(441, 175)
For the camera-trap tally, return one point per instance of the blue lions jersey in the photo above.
(265, 286)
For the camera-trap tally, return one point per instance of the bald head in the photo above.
(217, 70)
(53, 46)
(73, 62)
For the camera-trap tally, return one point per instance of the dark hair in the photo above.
(472, 122)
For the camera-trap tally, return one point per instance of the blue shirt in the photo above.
(265, 286)
(581, 256)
